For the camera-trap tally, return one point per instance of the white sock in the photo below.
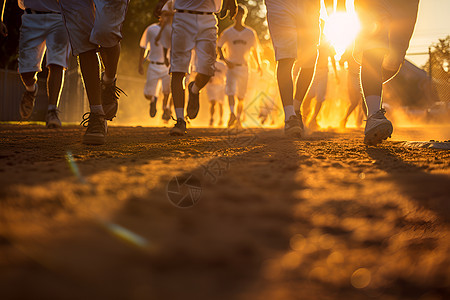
(288, 112)
(52, 107)
(297, 105)
(232, 109)
(106, 79)
(30, 88)
(195, 89)
(179, 112)
(97, 109)
(373, 104)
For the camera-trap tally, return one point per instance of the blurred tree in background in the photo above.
(439, 59)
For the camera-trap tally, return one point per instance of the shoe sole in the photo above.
(294, 132)
(152, 111)
(377, 134)
(93, 140)
(25, 116)
(193, 106)
(192, 113)
(110, 110)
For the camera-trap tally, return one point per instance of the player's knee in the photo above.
(29, 78)
(55, 67)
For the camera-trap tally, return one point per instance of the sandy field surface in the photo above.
(222, 215)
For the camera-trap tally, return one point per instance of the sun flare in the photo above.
(341, 28)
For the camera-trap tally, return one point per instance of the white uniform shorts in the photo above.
(294, 29)
(386, 24)
(156, 73)
(319, 85)
(191, 31)
(237, 81)
(93, 23)
(215, 92)
(38, 33)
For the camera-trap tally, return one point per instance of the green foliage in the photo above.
(440, 59)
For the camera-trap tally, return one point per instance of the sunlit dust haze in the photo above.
(263, 96)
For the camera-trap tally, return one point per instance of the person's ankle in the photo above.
(106, 79)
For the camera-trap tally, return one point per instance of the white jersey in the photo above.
(39, 5)
(238, 44)
(166, 36)
(219, 73)
(199, 5)
(156, 53)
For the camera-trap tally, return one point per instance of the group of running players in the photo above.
(188, 26)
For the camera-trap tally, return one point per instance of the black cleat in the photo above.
(27, 103)
(153, 107)
(179, 129)
(96, 129)
(294, 127)
(193, 103)
(110, 94)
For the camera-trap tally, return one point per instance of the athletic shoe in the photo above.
(110, 94)
(294, 126)
(232, 120)
(211, 122)
(179, 128)
(52, 119)
(193, 104)
(96, 128)
(378, 128)
(166, 114)
(153, 107)
(27, 103)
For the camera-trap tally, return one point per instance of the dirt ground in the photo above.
(255, 215)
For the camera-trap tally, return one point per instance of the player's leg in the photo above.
(205, 47)
(55, 81)
(31, 52)
(165, 84)
(230, 91)
(57, 61)
(403, 20)
(284, 29)
(178, 93)
(220, 113)
(371, 48)
(239, 109)
(151, 88)
(106, 32)
(194, 94)
(306, 104)
(241, 90)
(96, 122)
(79, 21)
(293, 124)
(321, 92)
(184, 30)
(353, 90)
(211, 111)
